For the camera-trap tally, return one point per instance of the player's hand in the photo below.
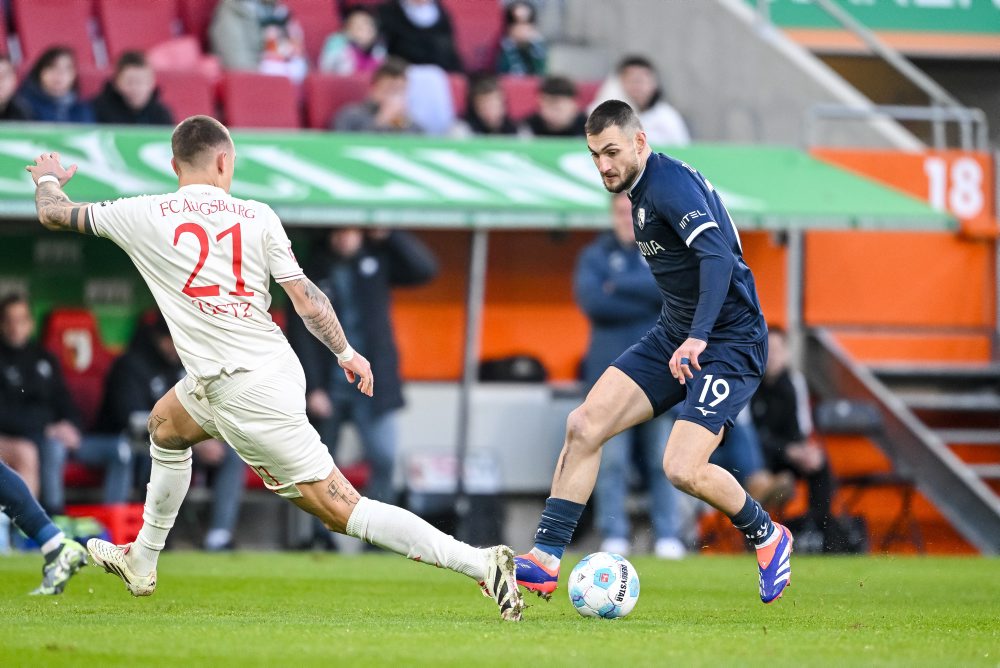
(48, 163)
(685, 358)
(358, 370)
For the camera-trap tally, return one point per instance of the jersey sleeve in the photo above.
(281, 260)
(116, 220)
(683, 207)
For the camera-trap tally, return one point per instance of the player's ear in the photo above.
(640, 141)
(176, 167)
(220, 162)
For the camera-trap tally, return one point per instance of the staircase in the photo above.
(941, 428)
(961, 405)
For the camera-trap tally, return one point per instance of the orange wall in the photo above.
(529, 301)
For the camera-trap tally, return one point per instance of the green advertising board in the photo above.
(315, 178)
(932, 16)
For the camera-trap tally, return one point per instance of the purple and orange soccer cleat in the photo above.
(534, 576)
(774, 562)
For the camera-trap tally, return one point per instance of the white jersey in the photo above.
(208, 258)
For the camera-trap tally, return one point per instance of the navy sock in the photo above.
(21, 507)
(555, 530)
(753, 521)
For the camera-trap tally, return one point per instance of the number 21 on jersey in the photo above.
(201, 235)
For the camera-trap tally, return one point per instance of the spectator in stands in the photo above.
(356, 49)
(637, 82)
(11, 108)
(616, 291)
(385, 110)
(558, 113)
(51, 90)
(487, 110)
(357, 271)
(259, 35)
(137, 380)
(130, 97)
(36, 407)
(522, 47)
(419, 32)
(783, 418)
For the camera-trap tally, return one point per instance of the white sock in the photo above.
(52, 543)
(168, 485)
(402, 532)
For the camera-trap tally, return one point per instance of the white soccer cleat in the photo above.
(501, 583)
(112, 558)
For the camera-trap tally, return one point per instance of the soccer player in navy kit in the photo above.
(707, 353)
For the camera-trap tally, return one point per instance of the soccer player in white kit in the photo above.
(208, 258)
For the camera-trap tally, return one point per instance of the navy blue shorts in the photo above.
(729, 376)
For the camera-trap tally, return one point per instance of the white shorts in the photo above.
(262, 415)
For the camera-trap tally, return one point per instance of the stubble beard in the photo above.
(627, 179)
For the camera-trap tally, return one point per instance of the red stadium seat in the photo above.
(44, 23)
(459, 92)
(252, 100)
(186, 93)
(196, 16)
(586, 91)
(318, 19)
(521, 94)
(71, 335)
(326, 94)
(135, 26)
(478, 25)
(4, 47)
(91, 80)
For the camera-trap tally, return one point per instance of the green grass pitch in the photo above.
(305, 609)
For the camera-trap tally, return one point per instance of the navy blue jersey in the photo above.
(693, 249)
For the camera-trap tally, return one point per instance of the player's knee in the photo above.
(682, 474)
(581, 430)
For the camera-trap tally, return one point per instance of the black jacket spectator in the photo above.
(400, 259)
(110, 107)
(33, 393)
(139, 378)
(419, 45)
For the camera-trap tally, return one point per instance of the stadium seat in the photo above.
(586, 91)
(196, 16)
(186, 93)
(136, 26)
(44, 23)
(459, 93)
(326, 94)
(521, 94)
(318, 19)
(72, 336)
(477, 25)
(4, 47)
(252, 100)
(91, 80)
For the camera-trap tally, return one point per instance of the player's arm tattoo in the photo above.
(57, 212)
(341, 489)
(320, 318)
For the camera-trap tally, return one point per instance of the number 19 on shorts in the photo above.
(719, 388)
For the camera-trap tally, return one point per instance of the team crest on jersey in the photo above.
(642, 218)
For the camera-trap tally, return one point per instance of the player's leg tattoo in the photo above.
(154, 423)
(340, 489)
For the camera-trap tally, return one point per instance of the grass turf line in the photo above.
(257, 609)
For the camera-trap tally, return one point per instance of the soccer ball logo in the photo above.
(604, 585)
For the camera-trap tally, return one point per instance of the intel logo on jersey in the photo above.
(692, 215)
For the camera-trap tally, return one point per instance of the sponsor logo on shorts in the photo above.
(705, 412)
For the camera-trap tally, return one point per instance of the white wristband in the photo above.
(347, 355)
(47, 178)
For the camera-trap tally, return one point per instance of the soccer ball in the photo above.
(604, 585)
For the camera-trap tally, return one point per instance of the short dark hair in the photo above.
(511, 10)
(558, 85)
(392, 67)
(635, 61)
(773, 328)
(612, 112)
(130, 59)
(481, 84)
(195, 135)
(47, 59)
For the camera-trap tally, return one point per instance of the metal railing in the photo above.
(973, 128)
